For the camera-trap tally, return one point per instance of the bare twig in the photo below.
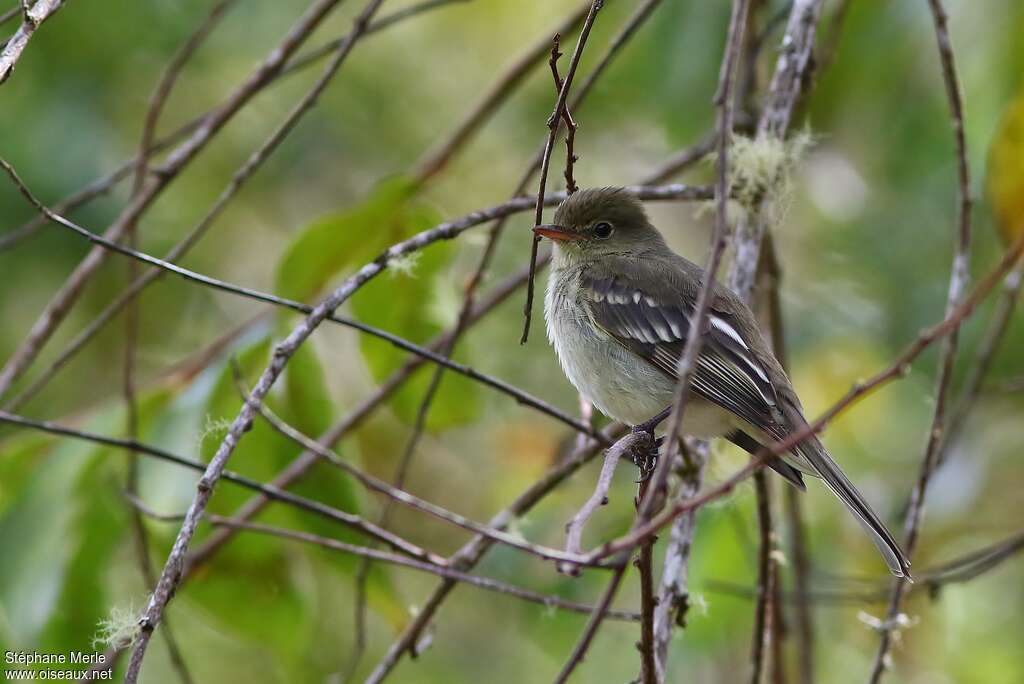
(597, 616)
(104, 184)
(964, 568)
(471, 553)
(649, 671)
(557, 114)
(674, 589)
(444, 231)
(436, 159)
(32, 19)
(987, 349)
(764, 614)
(403, 497)
(570, 123)
(452, 574)
(270, 491)
(958, 282)
(57, 308)
(648, 604)
(792, 70)
(171, 575)
(801, 587)
(628, 446)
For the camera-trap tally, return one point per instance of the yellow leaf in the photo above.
(1006, 171)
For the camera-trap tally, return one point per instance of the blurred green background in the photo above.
(865, 248)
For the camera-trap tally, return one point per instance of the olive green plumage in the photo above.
(618, 309)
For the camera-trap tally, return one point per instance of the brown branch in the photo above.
(764, 614)
(59, 305)
(171, 575)
(570, 123)
(648, 604)
(674, 589)
(962, 569)
(987, 349)
(629, 446)
(649, 671)
(436, 159)
(801, 586)
(399, 495)
(471, 553)
(597, 616)
(447, 573)
(268, 490)
(545, 162)
(104, 184)
(958, 281)
(32, 19)
(445, 231)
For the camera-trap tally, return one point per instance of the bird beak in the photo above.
(556, 233)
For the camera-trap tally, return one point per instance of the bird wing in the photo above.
(656, 325)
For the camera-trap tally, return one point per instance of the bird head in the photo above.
(598, 221)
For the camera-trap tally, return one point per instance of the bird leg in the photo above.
(649, 461)
(654, 422)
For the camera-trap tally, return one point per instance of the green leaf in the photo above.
(68, 520)
(346, 239)
(387, 302)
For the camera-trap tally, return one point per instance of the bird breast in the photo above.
(620, 384)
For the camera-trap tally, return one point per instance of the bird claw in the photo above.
(648, 462)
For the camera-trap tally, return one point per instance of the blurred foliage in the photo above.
(865, 246)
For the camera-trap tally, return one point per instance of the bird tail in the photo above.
(814, 454)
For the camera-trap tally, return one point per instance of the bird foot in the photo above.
(648, 461)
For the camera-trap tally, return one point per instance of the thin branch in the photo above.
(471, 553)
(649, 671)
(801, 586)
(545, 163)
(516, 73)
(987, 349)
(104, 184)
(403, 497)
(32, 19)
(597, 616)
(570, 123)
(445, 231)
(792, 70)
(674, 589)
(958, 282)
(60, 304)
(764, 614)
(628, 446)
(452, 574)
(962, 569)
(270, 491)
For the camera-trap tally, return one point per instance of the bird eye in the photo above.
(603, 230)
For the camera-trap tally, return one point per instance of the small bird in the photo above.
(618, 310)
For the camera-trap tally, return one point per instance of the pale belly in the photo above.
(617, 382)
